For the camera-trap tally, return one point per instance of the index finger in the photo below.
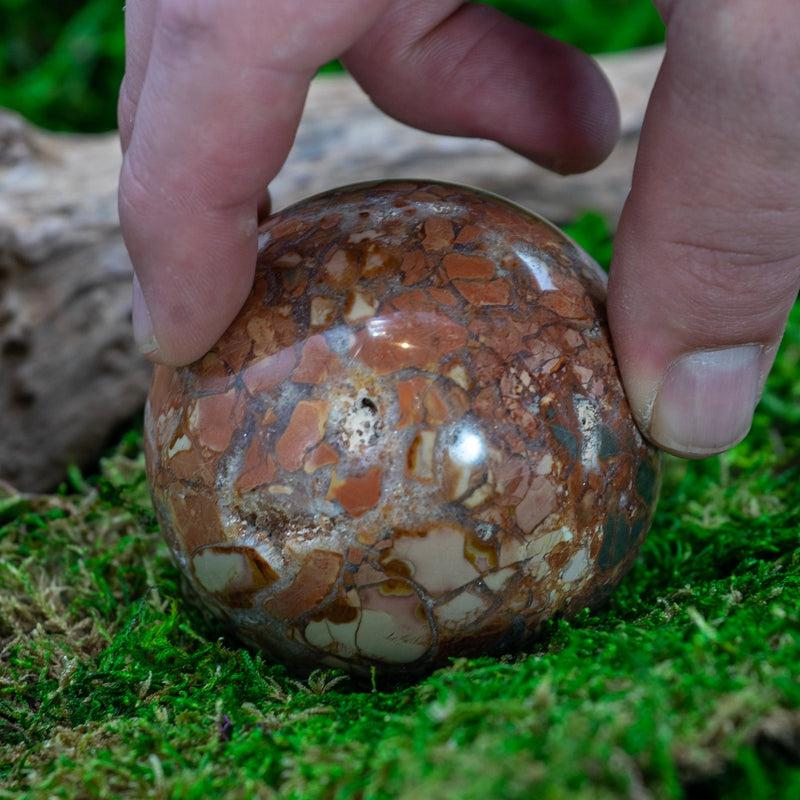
(218, 111)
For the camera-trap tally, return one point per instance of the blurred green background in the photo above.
(61, 61)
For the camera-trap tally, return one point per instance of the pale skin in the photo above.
(707, 258)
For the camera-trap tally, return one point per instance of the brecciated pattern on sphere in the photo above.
(412, 443)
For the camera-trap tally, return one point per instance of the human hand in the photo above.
(707, 254)
(707, 248)
(211, 99)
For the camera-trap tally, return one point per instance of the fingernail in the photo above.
(143, 333)
(706, 400)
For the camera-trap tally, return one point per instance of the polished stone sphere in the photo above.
(411, 444)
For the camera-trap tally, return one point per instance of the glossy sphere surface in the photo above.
(412, 443)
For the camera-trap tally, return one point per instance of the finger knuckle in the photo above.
(126, 105)
(137, 193)
(740, 38)
(721, 282)
(187, 19)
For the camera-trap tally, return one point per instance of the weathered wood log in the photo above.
(69, 374)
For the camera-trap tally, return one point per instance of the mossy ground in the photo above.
(686, 684)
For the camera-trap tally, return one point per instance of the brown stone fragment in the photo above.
(379, 259)
(409, 400)
(196, 518)
(442, 296)
(457, 265)
(317, 363)
(339, 612)
(438, 233)
(213, 371)
(322, 456)
(468, 234)
(511, 479)
(263, 374)
(313, 583)
(564, 305)
(414, 267)
(437, 412)
(412, 300)
(305, 430)
(356, 493)
(193, 463)
(408, 340)
(258, 468)
(271, 329)
(492, 293)
(217, 417)
(539, 502)
(164, 390)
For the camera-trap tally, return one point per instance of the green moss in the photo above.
(686, 684)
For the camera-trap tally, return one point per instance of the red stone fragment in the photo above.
(438, 233)
(356, 493)
(317, 362)
(457, 265)
(402, 341)
(493, 293)
(305, 429)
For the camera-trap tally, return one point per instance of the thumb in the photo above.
(707, 261)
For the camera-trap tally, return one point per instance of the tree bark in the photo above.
(69, 374)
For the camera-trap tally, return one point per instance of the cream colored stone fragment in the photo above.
(577, 567)
(461, 609)
(361, 236)
(438, 558)
(338, 264)
(479, 496)
(385, 637)
(584, 374)
(290, 259)
(372, 634)
(360, 305)
(457, 477)
(495, 581)
(420, 455)
(459, 375)
(278, 488)
(323, 311)
(374, 262)
(513, 550)
(338, 638)
(181, 444)
(545, 466)
(216, 570)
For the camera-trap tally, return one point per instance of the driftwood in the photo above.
(69, 375)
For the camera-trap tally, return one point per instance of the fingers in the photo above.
(468, 70)
(139, 22)
(213, 95)
(218, 109)
(707, 261)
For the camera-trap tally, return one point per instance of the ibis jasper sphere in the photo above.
(412, 443)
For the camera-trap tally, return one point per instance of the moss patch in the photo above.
(686, 684)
